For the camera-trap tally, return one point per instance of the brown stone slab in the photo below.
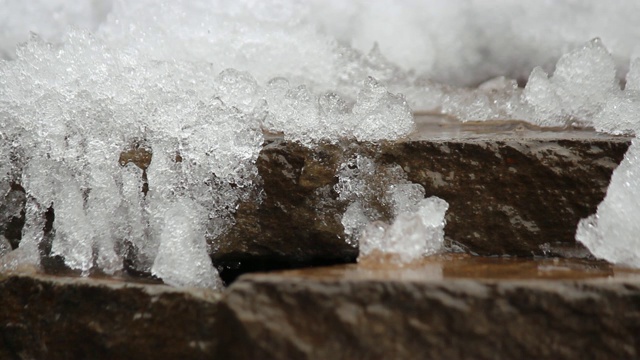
(512, 189)
(450, 306)
(48, 317)
(427, 311)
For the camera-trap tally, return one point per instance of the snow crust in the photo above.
(457, 42)
(196, 84)
(154, 80)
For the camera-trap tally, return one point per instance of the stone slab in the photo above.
(512, 189)
(49, 317)
(445, 307)
(349, 313)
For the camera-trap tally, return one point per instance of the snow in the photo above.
(411, 235)
(612, 233)
(197, 83)
(69, 109)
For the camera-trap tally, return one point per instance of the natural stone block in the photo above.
(511, 188)
(353, 314)
(451, 307)
(47, 317)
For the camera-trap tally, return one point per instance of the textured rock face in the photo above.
(11, 213)
(450, 307)
(44, 317)
(298, 221)
(511, 190)
(512, 196)
(294, 316)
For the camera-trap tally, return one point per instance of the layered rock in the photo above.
(512, 189)
(348, 314)
(453, 307)
(47, 317)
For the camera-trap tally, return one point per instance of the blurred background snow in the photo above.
(459, 42)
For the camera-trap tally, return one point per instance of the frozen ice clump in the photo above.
(241, 90)
(583, 81)
(612, 233)
(412, 235)
(379, 115)
(546, 104)
(354, 220)
(356, 178)
(27, 254)
(70, 112)
(584, 77)
(633, 76)
(357, 185)
(619, 114)
(296, 112)
(498, 98)
(182, 258)
(583, 85)
(305, 117)
(418, 228)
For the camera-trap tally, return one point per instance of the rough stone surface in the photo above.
(298, 221)
(293, 316)
(46, 317)
(512, 196)
(453, 307)
(511, 189)
(12, 215)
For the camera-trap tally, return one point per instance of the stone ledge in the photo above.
(48, 317)
(453, 307)
(512, 190)
(291, 315)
